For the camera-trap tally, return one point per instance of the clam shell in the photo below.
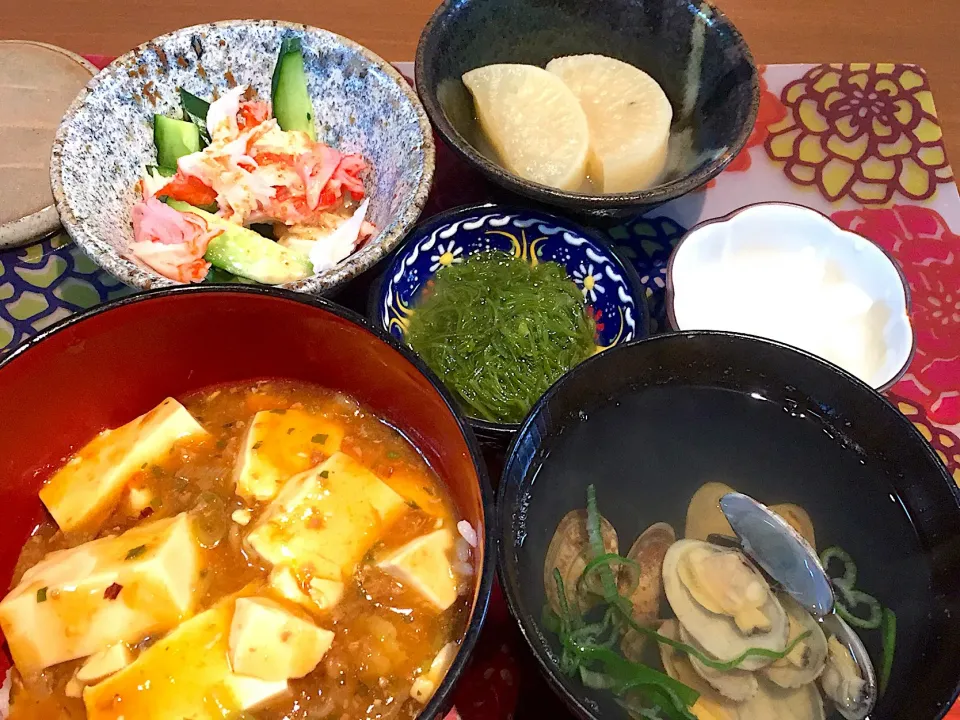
(737, 685)
(648, 552)
(787, 675)
(569, 552)
(773, 702)
(704, 516)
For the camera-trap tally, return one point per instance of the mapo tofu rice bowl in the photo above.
(267, 548)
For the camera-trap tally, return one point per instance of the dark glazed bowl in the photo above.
(657, 36)
(102, 367)
(649, 422)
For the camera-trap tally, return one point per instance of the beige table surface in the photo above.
(926, 32)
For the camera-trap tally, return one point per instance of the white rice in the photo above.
(467, 533)
(462, 549)
(5, 697)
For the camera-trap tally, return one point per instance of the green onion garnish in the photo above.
(587, 648)
(888, 628)
(136, 552)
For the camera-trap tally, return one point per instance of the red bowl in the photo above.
(102, 367)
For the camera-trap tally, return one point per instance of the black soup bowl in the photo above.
(688, 46)
(648, 423)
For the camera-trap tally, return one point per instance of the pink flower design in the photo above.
(929, 253)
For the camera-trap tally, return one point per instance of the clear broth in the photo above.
(648, 452)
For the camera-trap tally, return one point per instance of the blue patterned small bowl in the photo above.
(610, 288)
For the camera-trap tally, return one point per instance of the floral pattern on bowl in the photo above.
(609, 287)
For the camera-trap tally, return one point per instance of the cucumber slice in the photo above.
(164, 171)
(174, 139)
(216, 276)
(291, 101)
(248, 254)
(195, 110)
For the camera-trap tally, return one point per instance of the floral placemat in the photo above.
(859, 142)
(862, 144)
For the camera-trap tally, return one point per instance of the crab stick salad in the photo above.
(245, 192)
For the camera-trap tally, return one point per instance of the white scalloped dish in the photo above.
(788, 273)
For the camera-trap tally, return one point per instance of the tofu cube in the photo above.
(280, 444)
(77, 602)
(83, 493)
(426, 684)
(424, 564)
(250, 693)
(324, 520)
(417, 487)
(283, 581)
(325, 593)
(269, 642)
(104, 664)
(320, 594)
(186, 674)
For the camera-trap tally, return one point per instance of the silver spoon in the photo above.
(777, 548)
(788, 559)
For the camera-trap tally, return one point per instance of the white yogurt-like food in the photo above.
(789, 274)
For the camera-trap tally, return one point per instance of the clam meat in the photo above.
(723, 602)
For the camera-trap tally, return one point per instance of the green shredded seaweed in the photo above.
(499, 332)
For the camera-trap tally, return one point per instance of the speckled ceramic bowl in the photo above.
(610, 287)
(688, 46)
(362, 105)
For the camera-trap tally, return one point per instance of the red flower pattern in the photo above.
(596, 316)
(929, 253)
